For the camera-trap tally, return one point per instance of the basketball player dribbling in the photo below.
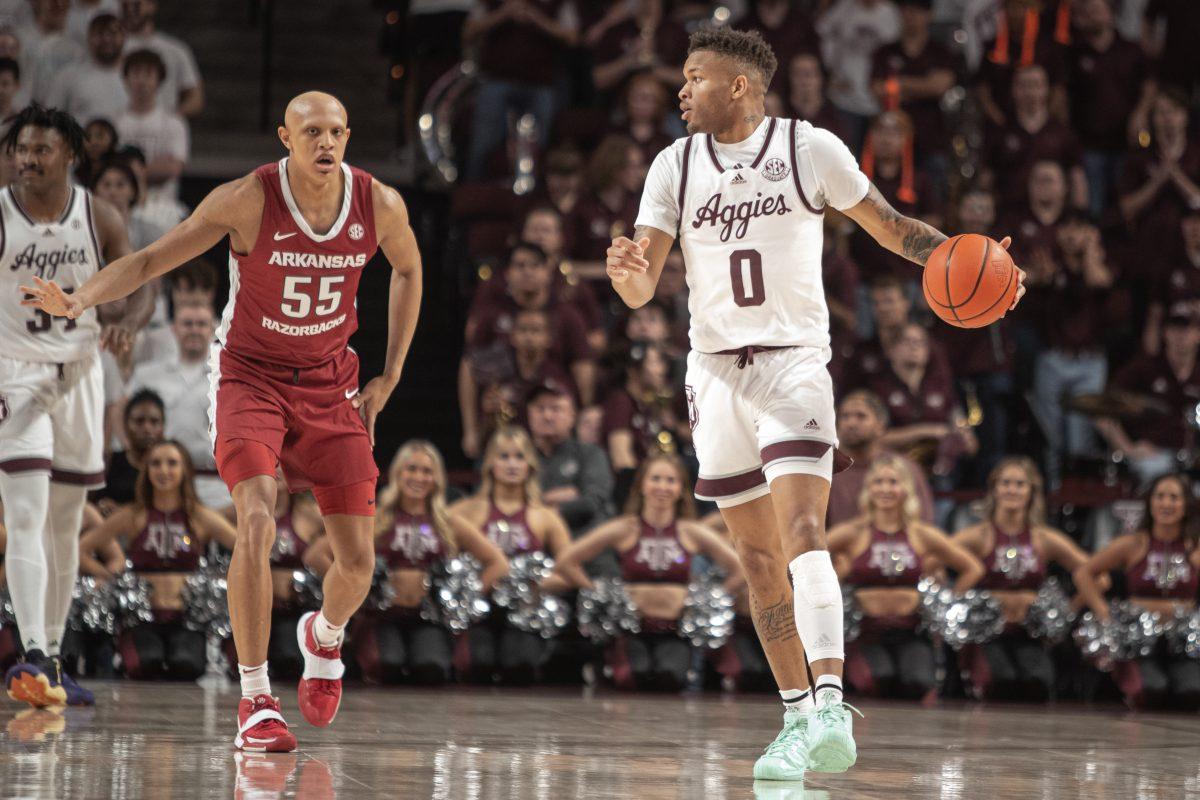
(745, 195)
(284, 385)
(52, 388)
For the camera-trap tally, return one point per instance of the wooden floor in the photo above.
(173, 741)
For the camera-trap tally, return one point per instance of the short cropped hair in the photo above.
(747, 48)
(145, 58)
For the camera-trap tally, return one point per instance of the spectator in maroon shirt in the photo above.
(1151, 443)
(609, 206)
(1177, 289)
(672, 292)
(862, 422)
(889, 161)
(1161, 181)
(839, 276)
(563, 181)
(785, 26)
(1030, 135)
(630, 36)
(522, 49)
(891, 310)
(806, 77)
(490, 326)
(644, 117)
(912, 75)
(1080, 309)
(1021, 39)
(927, 423)
(1110, 90)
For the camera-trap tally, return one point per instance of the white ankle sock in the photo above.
(828, 689)
(801, 699)
(326, 633)
(255, 680)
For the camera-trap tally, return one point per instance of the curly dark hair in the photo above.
(747, 48)
(38, 116)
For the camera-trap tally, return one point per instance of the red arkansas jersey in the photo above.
(292, 297)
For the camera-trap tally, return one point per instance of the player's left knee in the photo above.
(806, 531)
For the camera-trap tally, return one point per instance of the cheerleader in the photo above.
(655, 543)
(413, 531)
(1161, 566)
(509, 511)
(164, 533)
(1016, 547)
(880, 554)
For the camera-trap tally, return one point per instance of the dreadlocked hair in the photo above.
(747, 48)
(38, 116)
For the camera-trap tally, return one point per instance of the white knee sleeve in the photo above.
(26, 497)
(817, 600)
(65, 519)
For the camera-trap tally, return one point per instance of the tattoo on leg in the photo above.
(776, 623)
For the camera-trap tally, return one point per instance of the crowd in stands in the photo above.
(1067, 124)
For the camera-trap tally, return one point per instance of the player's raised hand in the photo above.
(50, 297)
(1005, 242)
(371, 400)
(625, 257)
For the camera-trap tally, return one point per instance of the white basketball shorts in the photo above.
(52, 419)
(750, 425)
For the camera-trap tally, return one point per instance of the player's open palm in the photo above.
(626, 257)
(50, 297)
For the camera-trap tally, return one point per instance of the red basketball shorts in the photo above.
(303, 416)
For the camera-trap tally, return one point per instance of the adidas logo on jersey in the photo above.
(737, 179)
(812, 425)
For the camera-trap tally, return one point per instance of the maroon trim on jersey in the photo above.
(712, 153)
(63, 218)
(687, 157)
(709, 488)
(3, 238)
(72, 478)
(25, 465)
(797, 448)
(766, 144)
(87, 206)
(796, 175)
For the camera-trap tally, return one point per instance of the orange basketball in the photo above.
(969, 281)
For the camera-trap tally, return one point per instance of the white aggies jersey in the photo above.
(749, 220)
(65, 251)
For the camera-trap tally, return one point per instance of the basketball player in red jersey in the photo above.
(285, 383)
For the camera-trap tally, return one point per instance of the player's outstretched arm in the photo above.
(221, 213)
(399, 246)
(634, 266)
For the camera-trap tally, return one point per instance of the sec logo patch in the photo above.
(356, 231)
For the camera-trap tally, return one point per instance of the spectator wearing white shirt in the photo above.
(182, 89)
(851, 31)
(161, 135)
(182, 383)
(94, 89)
(45, 47)
(82, 12)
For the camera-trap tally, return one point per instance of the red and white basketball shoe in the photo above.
(261, 726)
(320, 689)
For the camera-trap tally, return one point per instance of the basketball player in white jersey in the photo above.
(745, 195)
(51, 387)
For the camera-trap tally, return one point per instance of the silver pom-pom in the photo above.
(529, 609)
(708, 615)
(606, 611)
(1050, 616)
(205, 599)
(1183, 633)
(382, 593)
(309, 589)
(852, 615)
(974, 617)
(1132, 632)
(131, 599)
(456, 600)
(92, 607)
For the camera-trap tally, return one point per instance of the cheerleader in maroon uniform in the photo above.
(414, 530)
(655, 542)
(509, 511)
(299, 528)
(164, 533)
(880, 553)
(1161, 566)
(1016, 547)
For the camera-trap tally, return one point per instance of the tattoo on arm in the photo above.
(916, 239)
(776, 623)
